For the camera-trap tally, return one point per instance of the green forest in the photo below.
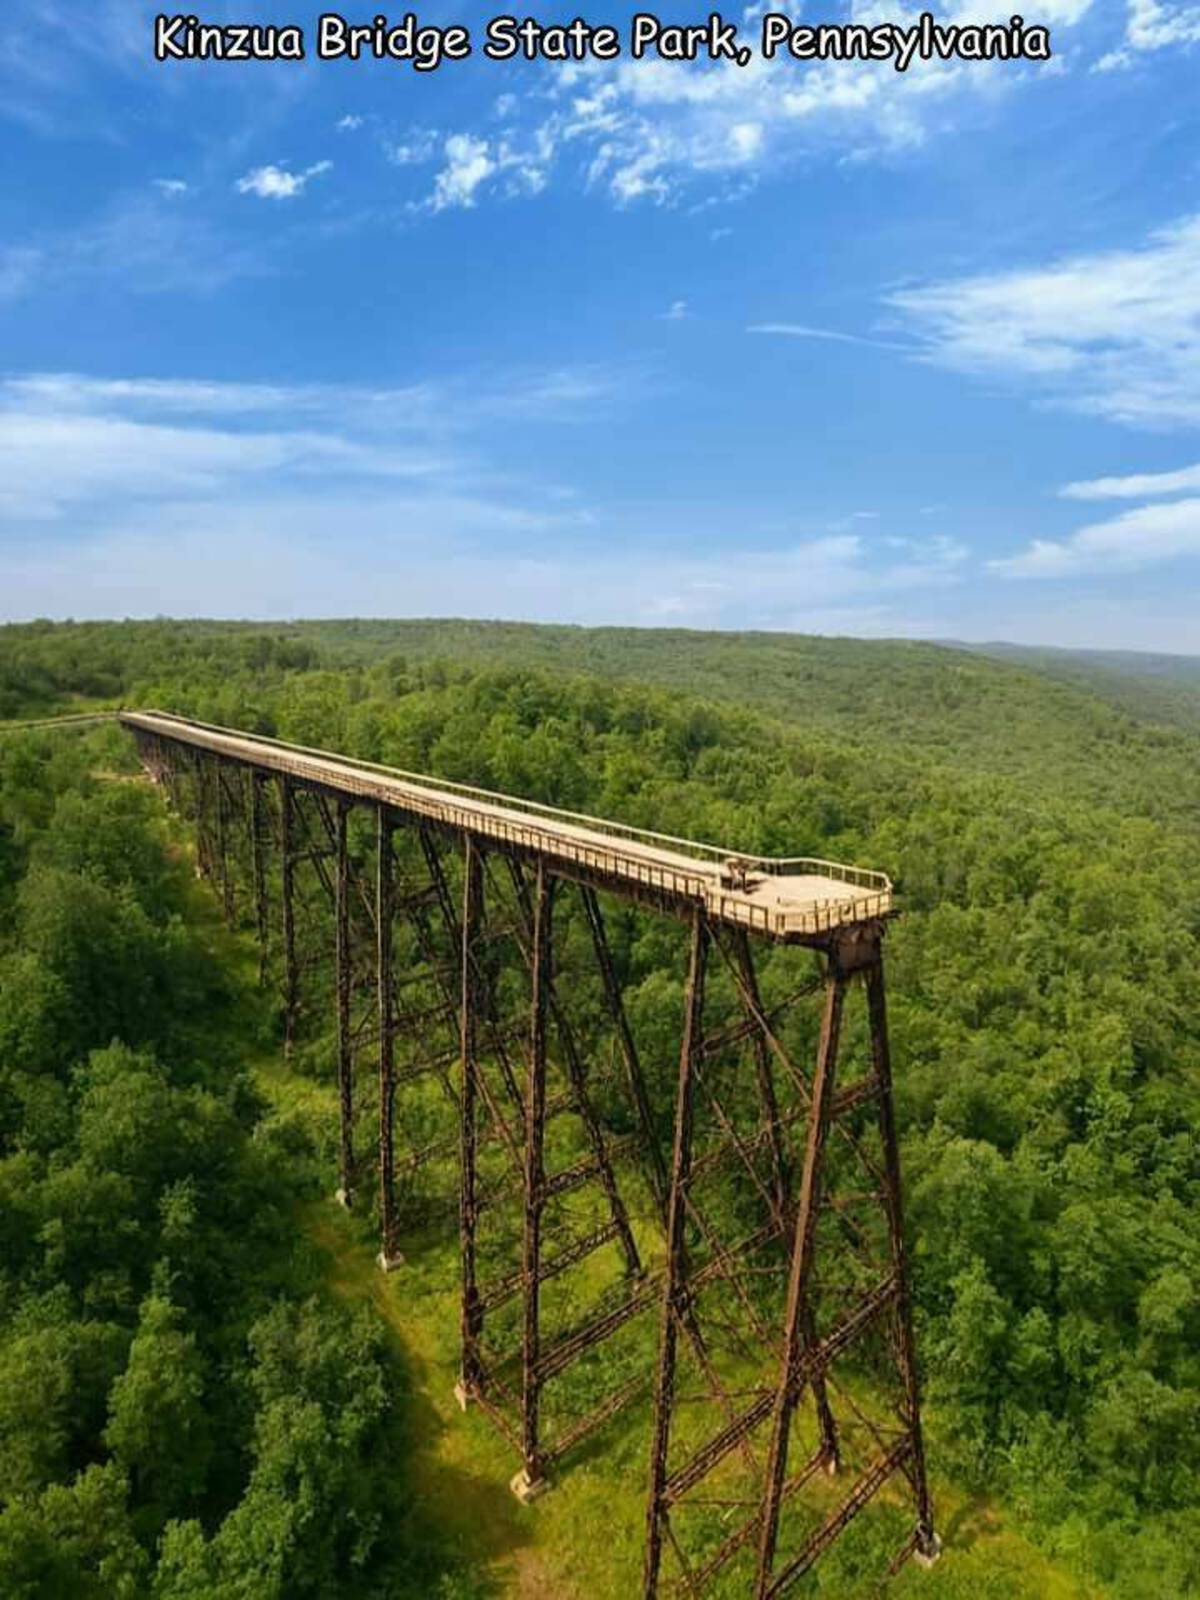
(206, 1388)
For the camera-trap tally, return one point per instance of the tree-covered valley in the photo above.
(205, 1389)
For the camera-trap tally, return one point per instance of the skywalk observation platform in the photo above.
(795, 900)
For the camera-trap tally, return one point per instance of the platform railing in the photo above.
(775, 866)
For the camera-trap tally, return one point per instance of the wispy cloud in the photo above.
(1150, 27)
(1143, 537)
(445, 554)
(800, 330)
(1135, 486)
(151, 247)
(644, 131)
(471, 165)
(182, 495)
(171, 187)
(76, 449)
(277, 183)
(1115, 333)
(677, 311)
(416, 147)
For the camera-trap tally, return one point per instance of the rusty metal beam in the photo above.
(865, 1488)
(345, 1044)
(674, 1305)
(798, 1327)
(927, 1543)
(629, 1054)
(258, 868)
(291, 975)
(530, 1478)
(389, 1256)
(578, 1080)
(471, 1316)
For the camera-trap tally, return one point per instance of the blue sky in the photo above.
(814, 347)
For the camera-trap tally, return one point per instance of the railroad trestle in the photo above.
(698, 1174)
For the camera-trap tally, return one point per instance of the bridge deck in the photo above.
(782, 898)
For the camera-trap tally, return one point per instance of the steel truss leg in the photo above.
(629, 1055)
(927, 1544)
(345, 1051)
(798, 1328)
(529, 1481)
(577, 1076)
(204, 852)
(258, 847)
(223, 806)
(471, 1324)
(389, 1256)
(781, 1176)
(674, 1305)
(291, 972)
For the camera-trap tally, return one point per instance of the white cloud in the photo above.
(1115, 333)
(418, 145)
(677, 311)
(349, 123)
(472, 164)
(653, 126)
(746, 140)
(437, 555)
(468, 165)
(127, 495)
(277, 183)
(801, 330)
(1145, 536)
(72, 445)
(645, 130)
(171, 187)
(1151, 26)
(1135, 486)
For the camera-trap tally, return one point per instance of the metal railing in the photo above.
(697, 874)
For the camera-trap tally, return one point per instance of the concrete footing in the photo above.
(926, 1558)
(387, 1263)
(527, 1492)
(831, 1466)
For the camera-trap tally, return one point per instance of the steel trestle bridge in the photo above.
(469, 956)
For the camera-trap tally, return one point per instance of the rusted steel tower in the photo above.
(462, 941)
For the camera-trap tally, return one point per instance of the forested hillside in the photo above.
(1060, 718)
(1159, 688)
(157, 1307)
(185, 1410)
